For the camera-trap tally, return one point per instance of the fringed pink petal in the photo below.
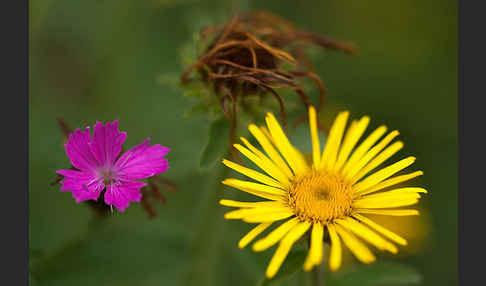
(122, 193)
(83, 186)
(79, 152)
(107, 142)
(142, 161)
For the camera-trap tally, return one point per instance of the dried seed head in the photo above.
(251, 55)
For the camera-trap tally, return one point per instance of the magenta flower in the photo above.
(100, 167)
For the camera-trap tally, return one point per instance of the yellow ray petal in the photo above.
(363, 148)
(261, 194)
(316, 147)
(367, 234)
(264, 195)
(239, 184)
(390, 196)
(314, 256)
(347, 134)
(257, 176)
(353, 170)
(382, 157)
(284, 247)
(274, 236)
(399, 193)
(295, 162)
(334, 140)
(264, 157)
(352, 136)
(268, 217)
(262, 211)
(383, 174)
(245, 240)
(382, 203)
(385, 232)
(270, 150)
(404, 193)
(267, 134)
(336, 251)
(231, 203)
(300, 155)
(391, 182)
(401, 212)
(265, 164)
(386, 204)
(357, 247)
(406, 190)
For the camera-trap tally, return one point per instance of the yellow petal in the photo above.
(363, 148)
(404, 193)
(274, 236)
(295, 162)
(267, 146)
(353, 170)
(284, 248)
(401, 212)
(385, 232)
(265, 164)
(267, 134)
(264, 195)
(316, 147)
(381, 203)
(252, 234)
(382, 157)
(383, 174)
(352, 136)
(389, 196)
(336, 251)
(268, 217)
(254, 186)
(367, 234)
(391, 182)
(385, 204)
(314, 256)
(334, 140)
(257, 176)
(231, 203)
(357, 247)
(246, 212)
(407, 190)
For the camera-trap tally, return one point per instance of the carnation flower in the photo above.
(99, 166)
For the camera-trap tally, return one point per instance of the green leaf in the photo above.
(218, 143)
(377, 274)
(292, 263)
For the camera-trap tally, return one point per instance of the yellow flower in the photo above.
(330, 195)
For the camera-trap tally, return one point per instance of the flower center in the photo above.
(108, 176)
(320, 196)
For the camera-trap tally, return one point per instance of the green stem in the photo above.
(318, 276)
(206, 243)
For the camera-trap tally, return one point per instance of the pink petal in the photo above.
(83, 186)
(142, 161)
(107, 142)
(79, 151)
(120, 194)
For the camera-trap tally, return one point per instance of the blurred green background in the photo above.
(100, 60)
